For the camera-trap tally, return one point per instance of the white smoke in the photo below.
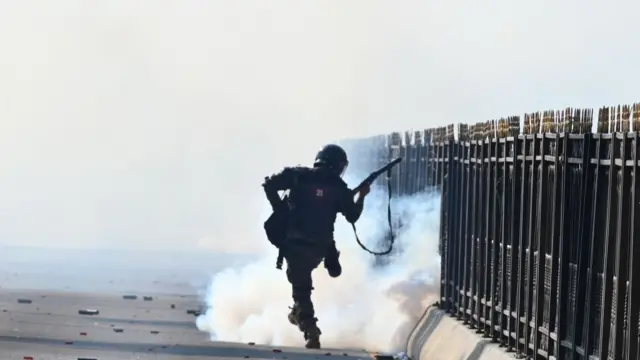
(368, 307)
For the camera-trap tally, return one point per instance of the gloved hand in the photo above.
(332, 263)
(364, 191)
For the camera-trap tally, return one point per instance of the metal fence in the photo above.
(539, 227)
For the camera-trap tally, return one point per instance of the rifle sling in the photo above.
(355, 232)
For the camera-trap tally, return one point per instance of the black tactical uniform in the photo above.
(316, 195)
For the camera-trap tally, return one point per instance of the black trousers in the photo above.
(302, 257)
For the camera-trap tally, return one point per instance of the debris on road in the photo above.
(379, 356)
(24, 301)
(88, 312)
(130, 297)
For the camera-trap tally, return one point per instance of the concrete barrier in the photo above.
(441, 337)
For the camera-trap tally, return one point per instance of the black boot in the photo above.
(311, 333)
(332, 263)
(293, 315)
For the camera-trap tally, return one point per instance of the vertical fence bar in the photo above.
(484, 295)
(453, 225)
(633, 303)
(514, 255)
(531, 243)
(616, 338)
(467, 258)
(609, 251)
(583, 243)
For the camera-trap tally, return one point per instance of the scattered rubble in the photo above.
(88, 312)
(384, 357)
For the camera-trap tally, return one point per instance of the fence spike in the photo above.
(417, 138)
(514, 125)
(625, 118)
(547, 121)
(559, 120)
(407, 139)
(602, 128)
(396, 139)
(451, 132)
(463, 132)
(537, 123)
(581, 119)
(588, 120)
(636, 117)
(568, 121)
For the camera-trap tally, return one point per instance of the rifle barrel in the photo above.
(374, 175)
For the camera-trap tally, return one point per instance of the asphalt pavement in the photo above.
(39, 325)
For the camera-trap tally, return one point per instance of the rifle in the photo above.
(374, 175)
(276, 225)
(368, 182)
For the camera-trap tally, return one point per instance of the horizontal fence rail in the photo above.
(539, 227)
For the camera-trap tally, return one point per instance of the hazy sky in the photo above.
(152, 123)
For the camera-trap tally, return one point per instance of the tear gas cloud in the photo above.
(367, 307)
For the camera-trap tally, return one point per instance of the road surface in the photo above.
(49, 327)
